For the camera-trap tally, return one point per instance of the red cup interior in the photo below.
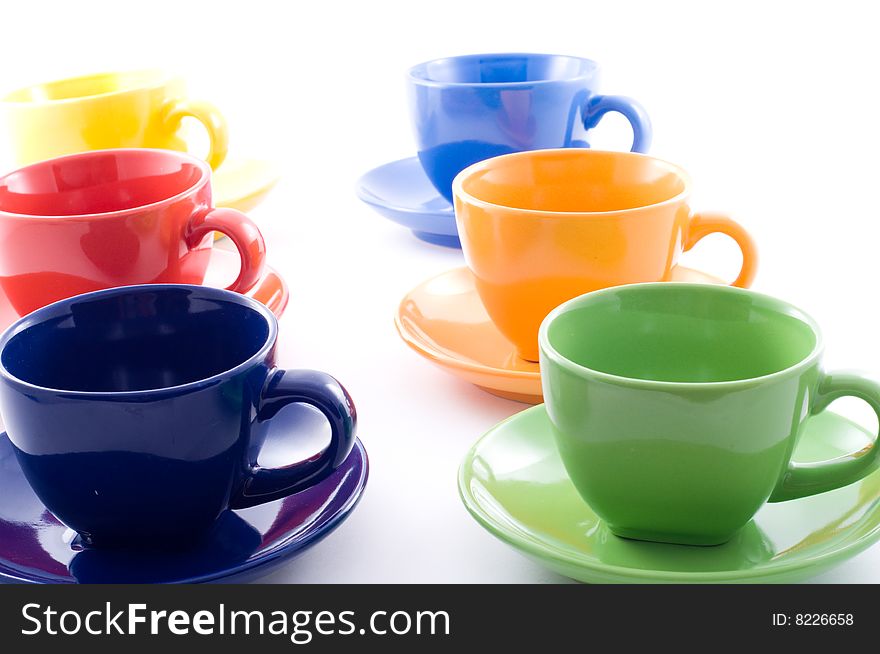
(98, 182)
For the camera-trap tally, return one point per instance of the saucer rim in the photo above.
(280, 307)
(371, 199)
(551, 556)
(435, 355)
(422, 347)
(258, 192)
(277, 555)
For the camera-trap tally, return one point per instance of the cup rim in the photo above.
(160, 78)
(422, 81)
(460, 194)
(61, 306)
(200, 183)
(552, 354)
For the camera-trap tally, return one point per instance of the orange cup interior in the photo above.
(574, 181)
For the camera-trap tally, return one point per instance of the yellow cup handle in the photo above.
(210, 117)
(703, 224)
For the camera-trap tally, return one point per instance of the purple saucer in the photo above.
(245, 544)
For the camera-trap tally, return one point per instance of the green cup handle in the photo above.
(803, 479)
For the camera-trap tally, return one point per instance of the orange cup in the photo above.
(541, 227)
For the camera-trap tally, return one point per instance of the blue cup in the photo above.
(467, 109)
(138, 413)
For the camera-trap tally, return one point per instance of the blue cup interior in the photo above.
(503, 69)
(135, 339)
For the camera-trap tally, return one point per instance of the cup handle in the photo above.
(703, 224)
(803, 479)
(323, 392)
(242, 231)
(208, 115)
(599, 105)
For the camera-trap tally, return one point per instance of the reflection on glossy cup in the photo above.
(539, 228)
(133, 109)
(469, 108)
(108, 218)
(138, 414)
(676, 407)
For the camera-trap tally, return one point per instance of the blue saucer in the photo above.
(245, 544)
(402, 192)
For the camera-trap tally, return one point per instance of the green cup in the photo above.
(676, 407)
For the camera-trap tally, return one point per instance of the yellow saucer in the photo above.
(243, 183)
(444, 320)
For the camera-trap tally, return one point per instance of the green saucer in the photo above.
(513, 482)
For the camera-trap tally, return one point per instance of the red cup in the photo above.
(109, 218)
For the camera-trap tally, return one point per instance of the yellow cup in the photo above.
(136, 109)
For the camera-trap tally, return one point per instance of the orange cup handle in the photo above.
(208, 115)
(242, 231)
(703, 224)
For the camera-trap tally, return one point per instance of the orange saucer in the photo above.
(271, 290)
(444, 320)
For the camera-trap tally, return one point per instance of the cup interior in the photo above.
(503, 69)
(574, 180)
(680, 333)
(98, 182)
(136, 338)
(86, 86)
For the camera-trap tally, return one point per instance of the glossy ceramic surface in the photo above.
(444, 320)
(401, 192)
(676, 407)
(112, 218)
(140, 412)
(270, 289)
(243, 184)
(539, 228)
(466, 109)
(134, 109)
(245, 544)
(514, 483)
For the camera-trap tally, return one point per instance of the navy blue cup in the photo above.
(138, 413)
(470, 108)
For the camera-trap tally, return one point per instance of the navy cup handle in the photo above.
(323, 392)
(599, 105)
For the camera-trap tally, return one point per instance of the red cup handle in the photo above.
(242, 231)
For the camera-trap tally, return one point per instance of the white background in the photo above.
(772, 108)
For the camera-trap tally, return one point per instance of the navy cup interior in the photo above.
(135, 339)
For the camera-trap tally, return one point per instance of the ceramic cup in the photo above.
(108, 218)
(466, 109)
(676, 407)
(139, 412)
(539, 228)
(135, 109)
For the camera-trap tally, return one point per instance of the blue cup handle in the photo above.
(599, 105)
(323, 392)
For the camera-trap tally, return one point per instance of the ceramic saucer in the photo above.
(243, 183)
(245, 544)
(444, 320)
(271, 290)
(402, 192)
(513, 482)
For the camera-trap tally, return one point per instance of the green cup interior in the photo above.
(680, 333)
